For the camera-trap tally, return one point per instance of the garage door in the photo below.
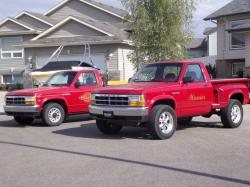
(98, 60)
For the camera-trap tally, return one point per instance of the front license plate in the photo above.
(108, 114)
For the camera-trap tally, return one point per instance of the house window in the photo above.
(8, 49)
(237, 40)
(237, 69)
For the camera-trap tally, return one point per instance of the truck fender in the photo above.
(159, 98)
(53, 99)
(238, 91)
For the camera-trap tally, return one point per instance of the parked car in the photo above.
(166, 92)
(65, 93)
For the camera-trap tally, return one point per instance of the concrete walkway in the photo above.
(2, 96)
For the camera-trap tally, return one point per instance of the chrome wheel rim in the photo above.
(236, 114)
(166, 122)
(54, 115)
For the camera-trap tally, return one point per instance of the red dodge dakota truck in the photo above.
(65, 93)
(166, 92)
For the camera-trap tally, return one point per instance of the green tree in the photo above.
(160, 29)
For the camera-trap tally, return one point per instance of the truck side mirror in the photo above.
(188, 80)
(77, 84)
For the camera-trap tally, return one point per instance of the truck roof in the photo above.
(177, 61)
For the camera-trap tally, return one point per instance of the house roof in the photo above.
(102, 27)
(39, 17)
(197, 43)
(210, 30)
(70, 41)
(233, 8)
(106, 8)
(18, 22)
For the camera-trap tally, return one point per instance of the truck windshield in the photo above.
(61, 79)
(159, 72)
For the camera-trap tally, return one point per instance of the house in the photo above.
(233, 45)
(197, 48)
(29, 39)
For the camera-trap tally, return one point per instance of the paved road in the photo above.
(76, 154)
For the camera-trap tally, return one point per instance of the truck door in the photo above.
(197, 97)
(81, 93)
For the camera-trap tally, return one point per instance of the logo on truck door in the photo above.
(197, 98)
(86, 97)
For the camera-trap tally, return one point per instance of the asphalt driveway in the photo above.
(77, 154)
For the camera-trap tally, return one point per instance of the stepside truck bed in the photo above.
(223, 87)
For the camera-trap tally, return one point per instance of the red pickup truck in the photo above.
(164, 93)
(65, 93)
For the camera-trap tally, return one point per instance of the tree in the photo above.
(160, 29)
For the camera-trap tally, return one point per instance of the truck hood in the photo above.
(134, 88)
(37, 91)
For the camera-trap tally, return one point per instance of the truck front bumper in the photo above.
(135, 114)
(22, 110)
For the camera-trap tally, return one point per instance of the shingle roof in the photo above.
(209, 30)
(108, 8)
(115, 10)
(43, 17)
(233, 8)
(77, 40)
(197, 43)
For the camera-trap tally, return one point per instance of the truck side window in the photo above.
(195, 72)
(87, 79)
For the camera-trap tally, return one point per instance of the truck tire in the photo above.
(185, 121)
(163, 122)
(108, 128)
(53, 114)
(23, 120)
(232, 115)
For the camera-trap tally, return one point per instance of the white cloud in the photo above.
(203, 9)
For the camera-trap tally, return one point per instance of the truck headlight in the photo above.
(137, 100)
(93, 101)
(30, 100)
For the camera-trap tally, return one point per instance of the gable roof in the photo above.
(233, 8)
(37, 16)
(106, 8)
(18, 22)
(82, 21)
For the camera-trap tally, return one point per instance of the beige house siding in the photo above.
(224, 51)
(78, 8)
(14, 63)
(73, 28)
(10, 26)
(124, 64)
(34, 22)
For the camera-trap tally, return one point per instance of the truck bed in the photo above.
(219, 83)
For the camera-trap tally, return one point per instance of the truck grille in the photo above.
(15, 100)
(112, 100)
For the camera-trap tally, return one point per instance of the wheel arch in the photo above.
(163, 100)
(62, 102)
(237, 96)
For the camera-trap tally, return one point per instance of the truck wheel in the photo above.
(53, 114)
(108, 128)
(163, 122)
(232, 115)
(23, 120)
(185, 121)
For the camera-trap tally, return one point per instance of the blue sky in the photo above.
(203, 8)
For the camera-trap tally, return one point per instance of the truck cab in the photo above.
(65, 93)
(162, 93)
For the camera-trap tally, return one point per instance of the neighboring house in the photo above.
(211, 34)
(197, 48)
(233, 46)
(29, 39)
